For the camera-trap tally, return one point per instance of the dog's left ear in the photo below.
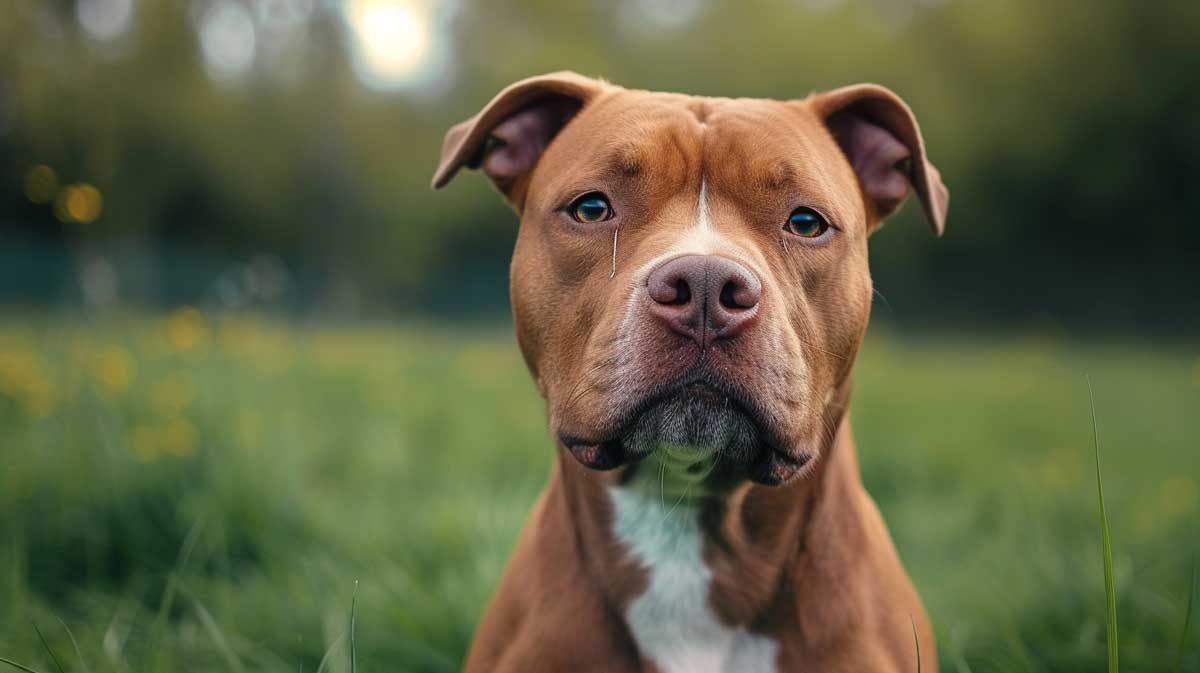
(509, 135)
(880, 137)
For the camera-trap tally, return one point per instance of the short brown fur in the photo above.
(809, 562)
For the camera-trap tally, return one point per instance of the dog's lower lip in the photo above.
(597, 455)
(608, 450)
(777, 467)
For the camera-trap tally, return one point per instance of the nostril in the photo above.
(670, 290)
(737, 296)
(703, 297)
(728, 298)
(683, 293)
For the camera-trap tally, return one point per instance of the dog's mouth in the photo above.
(701, 417)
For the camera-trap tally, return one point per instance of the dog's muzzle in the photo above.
(704, 417)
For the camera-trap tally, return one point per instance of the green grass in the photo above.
(191, 493)
(1110, 588)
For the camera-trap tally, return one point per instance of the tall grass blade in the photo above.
(214, 632)
(1187, 618)
(167, 602)
(353, 647)
(46, 645)
(17, 666)
(75, 644)
(1110, 591)
(328, 653)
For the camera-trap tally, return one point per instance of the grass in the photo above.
(199, 493)
(1187, 619)
(1110, 590)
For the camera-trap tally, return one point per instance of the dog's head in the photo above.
(691, 273)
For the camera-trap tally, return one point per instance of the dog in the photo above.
(690, 289)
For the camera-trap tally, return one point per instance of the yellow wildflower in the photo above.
(180, 438)
(187, 329)
(114, 370)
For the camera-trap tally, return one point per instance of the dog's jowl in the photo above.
(690, 288)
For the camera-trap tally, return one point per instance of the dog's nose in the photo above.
(704, 297)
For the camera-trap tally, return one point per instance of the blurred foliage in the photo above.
(175, 490)
(1062, 128)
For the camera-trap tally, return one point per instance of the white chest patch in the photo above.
(672, 623)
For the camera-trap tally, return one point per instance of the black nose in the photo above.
(704, 297)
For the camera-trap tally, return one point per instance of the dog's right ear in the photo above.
(880, 137)
(510, 133)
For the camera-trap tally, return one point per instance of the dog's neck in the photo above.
(754, 541)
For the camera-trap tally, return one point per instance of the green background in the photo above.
(276, 365)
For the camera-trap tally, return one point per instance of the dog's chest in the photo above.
(672, 621)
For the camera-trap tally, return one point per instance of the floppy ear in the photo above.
(880, 137)
(509, 135)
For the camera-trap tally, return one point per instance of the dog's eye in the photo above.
(806, 222)
(591, 208)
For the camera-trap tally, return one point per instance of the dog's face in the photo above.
(691, 273)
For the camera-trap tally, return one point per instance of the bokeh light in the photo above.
(81, 203)
(187, 329)
(113, 371)
(394, 43)
(104, 20)
(180, 438)
(227, 40)
(41, 183)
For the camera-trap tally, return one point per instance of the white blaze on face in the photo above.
(672, 622)
(702, 221)
(700, 239)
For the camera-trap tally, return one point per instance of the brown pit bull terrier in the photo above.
(690, 289)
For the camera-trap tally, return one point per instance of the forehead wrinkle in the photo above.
(736, 131)
(786, 163)
(654, 140)
(780, 175)
(624, 160)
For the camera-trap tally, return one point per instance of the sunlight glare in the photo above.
(393, 41)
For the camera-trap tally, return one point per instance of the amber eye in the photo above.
(591, 208)
(806, 223)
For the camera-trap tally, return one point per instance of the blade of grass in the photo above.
(353, 648)
(329, 652)
(214, 631)
(1187, 619)
(1110, 592)
(167, 601)
(46, 646)
(75, 644)
(17, 666)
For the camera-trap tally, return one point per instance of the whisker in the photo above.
(875, 291)
(681, 498)
(816, 347)
(662, 487)
(579, 388)
(831, 432)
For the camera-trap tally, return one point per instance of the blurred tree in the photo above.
(1062, 129)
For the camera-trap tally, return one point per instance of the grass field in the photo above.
(192, 493)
